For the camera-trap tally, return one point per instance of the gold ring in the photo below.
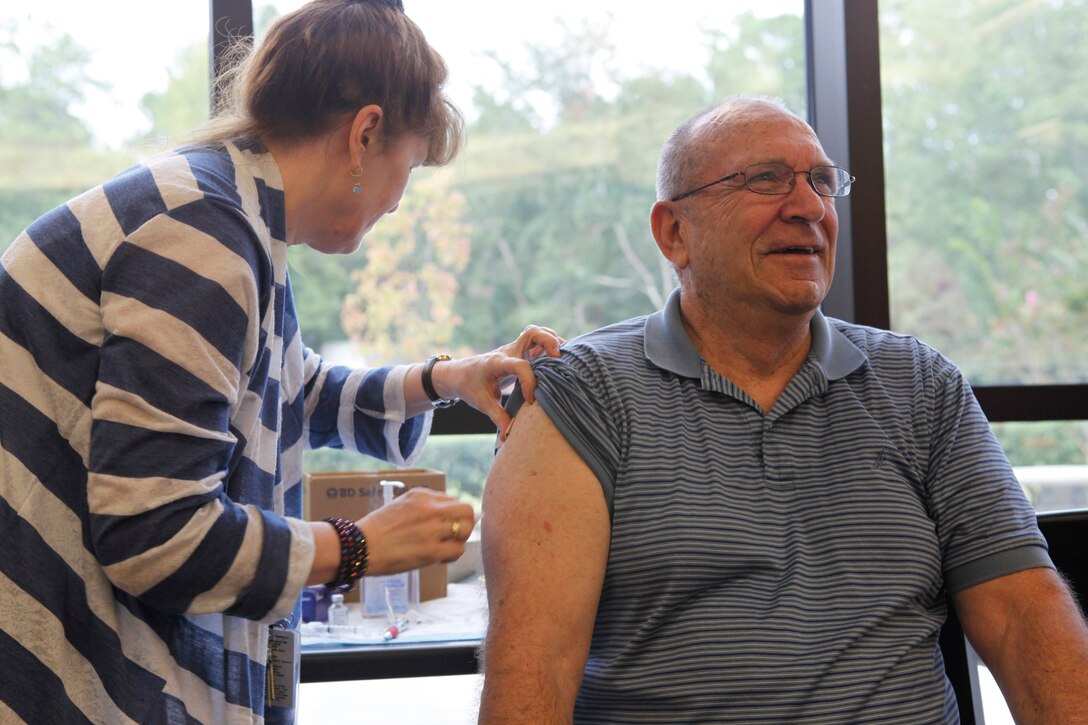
(455, 529)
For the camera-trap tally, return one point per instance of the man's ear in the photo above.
(668, 229)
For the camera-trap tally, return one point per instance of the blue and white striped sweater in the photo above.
(155, 400)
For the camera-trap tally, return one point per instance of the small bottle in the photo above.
(338, 611)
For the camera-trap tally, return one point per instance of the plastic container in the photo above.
(394, 595)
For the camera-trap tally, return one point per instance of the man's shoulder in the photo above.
(608, 347)
(600, 357)
(618, 334)
(878, 344)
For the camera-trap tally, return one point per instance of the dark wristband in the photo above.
(428, 384)
(353, 554)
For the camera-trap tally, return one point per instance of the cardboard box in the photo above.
(354, 494)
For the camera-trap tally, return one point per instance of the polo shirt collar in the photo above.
(668, 346)
(832, 350)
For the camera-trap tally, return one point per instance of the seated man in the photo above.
(738, 510)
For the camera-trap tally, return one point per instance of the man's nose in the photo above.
(802, 201)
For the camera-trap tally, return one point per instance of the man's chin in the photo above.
(803, 301)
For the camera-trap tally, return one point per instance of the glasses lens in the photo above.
(830, 180)
(769, 178)
(780, 178)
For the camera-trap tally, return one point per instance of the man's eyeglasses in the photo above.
(776, 179)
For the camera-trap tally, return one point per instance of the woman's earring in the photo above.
(355, 174)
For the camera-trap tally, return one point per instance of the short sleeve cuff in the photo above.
(574, 410)
(997, 565)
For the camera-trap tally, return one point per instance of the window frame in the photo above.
(843, 49)
(844, 98)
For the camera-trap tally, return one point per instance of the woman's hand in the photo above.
(417, 528)
(480, 379)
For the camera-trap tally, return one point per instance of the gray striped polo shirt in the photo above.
(787, 566)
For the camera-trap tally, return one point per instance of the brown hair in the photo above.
(320, 64)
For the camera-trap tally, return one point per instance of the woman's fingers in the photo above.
(535, 341)
(491, 407)
(457, 528)
(479, 380)
(458, 532)
(417, 529)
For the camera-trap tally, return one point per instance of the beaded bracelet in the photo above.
(353, 554)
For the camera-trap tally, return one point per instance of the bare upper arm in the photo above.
(1030, 633)
(997, 613)
(546, 534)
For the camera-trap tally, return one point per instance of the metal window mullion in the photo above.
(843, 66)
(228, 21)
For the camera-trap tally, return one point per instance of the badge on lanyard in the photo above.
(283, 668)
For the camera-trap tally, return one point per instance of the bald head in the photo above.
(685, 156)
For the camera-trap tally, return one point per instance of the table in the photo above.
(446, 642)
(367, 662)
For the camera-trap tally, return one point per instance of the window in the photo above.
(544, 217)
(82, 96)
(987, 224)
(984, 151)
(548, 205)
